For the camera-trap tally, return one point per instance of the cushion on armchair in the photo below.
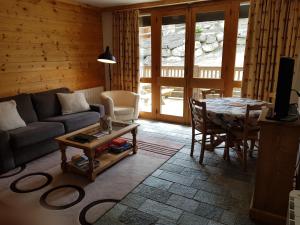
(123, 110)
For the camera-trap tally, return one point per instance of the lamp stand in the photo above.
(109, 70)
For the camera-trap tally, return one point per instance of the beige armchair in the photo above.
(121, 105)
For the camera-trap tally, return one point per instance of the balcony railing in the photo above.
(199, 72)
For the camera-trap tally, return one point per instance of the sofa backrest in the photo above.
(24, 107)
(46, 103)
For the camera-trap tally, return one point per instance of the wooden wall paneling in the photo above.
(49, 44)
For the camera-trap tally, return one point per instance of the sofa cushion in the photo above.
(9, 116)
(46, 103)
(123, 110)
(73, 103)
(77, 120)
(24, 107)
(34, 133)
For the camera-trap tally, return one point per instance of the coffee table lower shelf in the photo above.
(106, 160)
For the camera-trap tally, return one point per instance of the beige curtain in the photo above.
(274, 31)
(126, 50)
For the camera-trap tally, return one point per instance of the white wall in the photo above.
(107, 30)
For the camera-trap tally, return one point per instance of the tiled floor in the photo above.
(183, 192)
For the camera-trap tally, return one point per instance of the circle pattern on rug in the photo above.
(20, 170)
(82, 216)
(44, 203)
(14, 187)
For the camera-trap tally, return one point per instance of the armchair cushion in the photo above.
(123, 110)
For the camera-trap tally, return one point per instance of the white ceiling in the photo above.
(109, 3)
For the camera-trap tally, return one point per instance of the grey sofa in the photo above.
(42, 115)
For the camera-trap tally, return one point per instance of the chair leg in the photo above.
(245, 155)
(252, 145)
(212, 141)
(193, 142)
(202, 148)
(226, 149)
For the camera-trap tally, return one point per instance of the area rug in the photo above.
(159, 149)
(70, 199)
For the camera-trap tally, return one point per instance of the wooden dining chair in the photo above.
(238, 137)
(202, 125)
(215, 93)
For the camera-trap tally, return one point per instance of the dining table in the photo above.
(231, 111)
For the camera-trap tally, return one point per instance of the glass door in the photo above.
(187, 49)
(145, 49)
(171, 62)
(208, 48)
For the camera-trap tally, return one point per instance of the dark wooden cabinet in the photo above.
(275, 169)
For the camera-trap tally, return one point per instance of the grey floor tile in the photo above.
(165, 222)
(107, 220)
(213, 199)
(212, 222)
(155, 194)
(196, 173)
(133, 200)
(228, 218)
(161, 210)
(172, 168)
(190, 164)
(135, 217)
(209, 211)
(210, 187)
(116, 211)
(191, 219)
(157, 172)
(177, 178)
(183, 190)
(157, 182)
(183, 203)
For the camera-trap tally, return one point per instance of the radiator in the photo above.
(92, 95)
(294, 208)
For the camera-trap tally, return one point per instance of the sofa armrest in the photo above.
(7, 161)
(98, 108)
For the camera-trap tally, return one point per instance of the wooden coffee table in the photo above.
(106, 159)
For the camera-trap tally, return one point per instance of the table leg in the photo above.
(134, 145)
(90, 173)
(64, 163)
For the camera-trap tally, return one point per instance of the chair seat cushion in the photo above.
(123, 110)
(34, 133)
(76, 121)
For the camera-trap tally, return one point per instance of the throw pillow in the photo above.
(9, 117)
(72, 103)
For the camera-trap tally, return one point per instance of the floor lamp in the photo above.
(108, 58)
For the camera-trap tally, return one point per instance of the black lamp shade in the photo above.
(106, 57)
